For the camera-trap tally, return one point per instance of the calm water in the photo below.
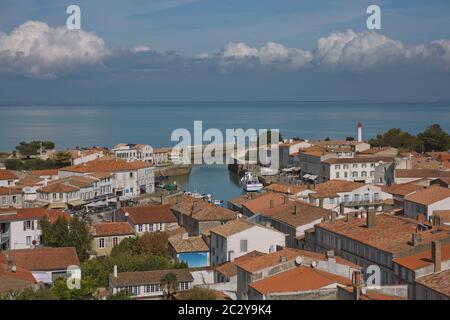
(107, 125)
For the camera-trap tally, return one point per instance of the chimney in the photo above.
(115, 271)
(341, 208)
(162, 199)
(184, 235)
(231, 255)
(371, 219)
(415, 239)
(282, 258)
(356, 284)
(360, 132)
(436, 255)
(329, 254)
(268, 224)
(271, 203)
(321, 202)
(333, 216)
(349, 217)
(286, 200)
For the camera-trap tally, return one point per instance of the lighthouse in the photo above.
(360, 132)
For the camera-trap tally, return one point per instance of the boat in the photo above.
(251, 183)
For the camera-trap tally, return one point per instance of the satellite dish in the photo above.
(126, 214)
(299, 260)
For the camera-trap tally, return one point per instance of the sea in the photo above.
(153, 123)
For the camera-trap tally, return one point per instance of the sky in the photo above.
(153, 50)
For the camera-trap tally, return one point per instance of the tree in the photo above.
(62, 158)
(349, 138)
(199, 294)
(396, 138)
(153, 243)
(79, 237)
(28, 149)
(170, 285)
(30, 294)
(14, 164)
(62, 233)
(434, 138)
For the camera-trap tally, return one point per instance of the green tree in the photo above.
(170, 285)
(153, 243)
(30, 294)
(350, 138)
(28, 149)
(396, 138)
(122, 295)
(14, 164)
(57, 234)
(62, 158)
(434, 138)
(79, 237)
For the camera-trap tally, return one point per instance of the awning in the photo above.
(76, 203)
(56, 205)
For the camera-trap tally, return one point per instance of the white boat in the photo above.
(251, 183)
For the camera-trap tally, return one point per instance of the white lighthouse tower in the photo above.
(360, 132)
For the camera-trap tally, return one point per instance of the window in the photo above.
(337, 175)
(243, 245)
(151, 288)
(140, 228)
(345, 174)
(101, 242)
(355, 174)
(363, 165)
(372, 173)
(355, 165)
(184, 286)
(28, 241)
(115, 241)
(345, 166)
(337, 167)
(364, 174)
(376, 196)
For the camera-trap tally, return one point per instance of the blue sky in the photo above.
(399, 62)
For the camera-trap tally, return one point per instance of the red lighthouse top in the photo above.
(359, 125)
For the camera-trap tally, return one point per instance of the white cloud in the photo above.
(36, 50)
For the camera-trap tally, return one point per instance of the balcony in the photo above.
(363, 202)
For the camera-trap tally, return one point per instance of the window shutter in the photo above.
(32, 225)
(24, 226)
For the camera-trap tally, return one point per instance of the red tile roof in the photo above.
(22, 214)
(112, 229)
(358, 160)
(421, 173)
(45, 258)
(297, 280)
(429, 195)
(7, 175)
(4, 191)
(390, 234)
(58, 187)
(401, 189)
(150, 214)
(439, 282)
(229, 269)
(107, 166)
(422, 259)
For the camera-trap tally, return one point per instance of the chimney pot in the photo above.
(436, 255)
(115, 271)
(371, 219)
(356, 284)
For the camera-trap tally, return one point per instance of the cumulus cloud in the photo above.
(340, 51)
(37, 50)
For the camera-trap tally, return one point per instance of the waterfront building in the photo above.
(134, 152)
(426, 201)
(11, 197)
(129, 179)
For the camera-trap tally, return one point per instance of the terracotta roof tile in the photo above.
(22, 214)
(401, 189)
(4, 191)
(264, 201)
(100, 165)
(285, 188)
(390, 234)
(297, 280)
(45, 258)
(422, 259)
(233, 227)
(150, 214)
(358, 160)
(112, 229)
(429, 195)
(439, 282)
(191, 244)
(8, 175)
(421, 173)
(58, 187)
(229, 269)
(202, 210)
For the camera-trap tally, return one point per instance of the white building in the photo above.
(353, 195)
(8, 178)
(426, 201)
(133, 152)
(238, 237)
(129, 179)
(19, 228)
